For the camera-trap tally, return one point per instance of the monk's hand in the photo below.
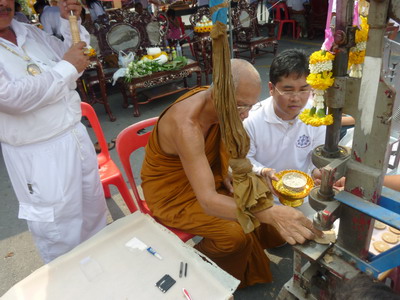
(77, 57)
(66, 6)
(228, 182)
(292, 225)
(269, 175)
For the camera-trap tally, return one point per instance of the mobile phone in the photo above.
(165, 283)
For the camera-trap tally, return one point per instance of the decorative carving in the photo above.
(245, 32)
(202, 46)
(198, 15)
(124, 30)
(161, 78)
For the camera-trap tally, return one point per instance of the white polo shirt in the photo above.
(279, 144)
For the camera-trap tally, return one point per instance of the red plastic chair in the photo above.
(128, 141)
(282, 20)
(109, 172)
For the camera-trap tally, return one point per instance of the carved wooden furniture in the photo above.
(92, 83)
(316, 15)
(202, 45)
(245, 33)
(110, 36)
(162, 78)
(95, 76)
(122, 30)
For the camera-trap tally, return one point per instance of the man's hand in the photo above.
(316, 175)
(77, 57)
(292, 225)
(269, 175)
(66, 6)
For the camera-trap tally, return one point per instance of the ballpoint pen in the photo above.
(186, 293)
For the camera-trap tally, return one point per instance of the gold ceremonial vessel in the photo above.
(292, 187)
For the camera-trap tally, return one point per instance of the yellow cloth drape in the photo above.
(251, 192)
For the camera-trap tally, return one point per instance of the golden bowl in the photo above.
(289, 195)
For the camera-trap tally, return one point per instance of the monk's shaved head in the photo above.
(244, 72)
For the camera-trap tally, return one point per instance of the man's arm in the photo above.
(257, 166)
(392, 182)
(189, 143)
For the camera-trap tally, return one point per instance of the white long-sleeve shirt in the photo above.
(96, 10)
(37, 108)
(50, 19)
(279, 144)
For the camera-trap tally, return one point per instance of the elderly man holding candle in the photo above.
(47, 151)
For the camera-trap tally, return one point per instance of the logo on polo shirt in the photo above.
(303, 141)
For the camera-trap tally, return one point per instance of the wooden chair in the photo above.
(112, 35)
(202, 45)
(316, 14)
(155, 29)
(245, 33)
(130, 140)
(92, 85)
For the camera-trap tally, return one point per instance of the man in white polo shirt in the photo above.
(279, 140)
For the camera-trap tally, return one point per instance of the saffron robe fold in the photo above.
(172, 201)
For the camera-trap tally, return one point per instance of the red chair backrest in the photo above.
(90, 114)
(281, 6)
(128, 141)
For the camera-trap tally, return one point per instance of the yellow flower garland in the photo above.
(357, 53)
(306, 118)
(320, 79)
(321, 56)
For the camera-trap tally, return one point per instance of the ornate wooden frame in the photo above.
(202, 44)
(246, 39)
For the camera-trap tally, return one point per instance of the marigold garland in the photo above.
(357, 53)
(320, 65)
(320, 79)
(306, 118)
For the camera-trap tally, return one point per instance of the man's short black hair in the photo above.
(290, 61)
(364, 287)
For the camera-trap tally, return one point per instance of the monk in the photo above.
(186, 183)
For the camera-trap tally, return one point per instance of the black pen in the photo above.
(185, 269)
(181, 270)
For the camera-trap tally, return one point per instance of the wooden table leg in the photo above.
(132, 92)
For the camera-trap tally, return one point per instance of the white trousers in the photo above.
(59, 191)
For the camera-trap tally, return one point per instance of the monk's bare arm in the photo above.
(186, 139)
(189, 144)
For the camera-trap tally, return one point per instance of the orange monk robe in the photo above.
(171, 199)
